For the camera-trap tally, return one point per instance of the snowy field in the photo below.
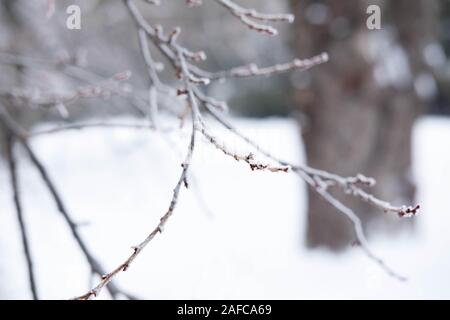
(236, 234)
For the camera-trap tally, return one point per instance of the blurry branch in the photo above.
(36, 97)
(153, 2)
(20, 218)
(13, 129)
(73, 69)
(248, 158)
(80, 126)
(155, 83)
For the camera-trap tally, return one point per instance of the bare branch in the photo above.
(249, 158)
(37, 97)
(107, 278)
(249, 17)
(71, 69)
(177, 56)
(183, 60)
(80, 126)
(252, 70)
(21, 136)
(319, 181)
(20, 218)
(184, 73)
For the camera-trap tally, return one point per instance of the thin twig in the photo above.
(21, 136)
(20, 217)
(80, 126)
(177, 56)
(107, 278)
(249, 17)
(248, 158)
(252, 70)
(317, 181)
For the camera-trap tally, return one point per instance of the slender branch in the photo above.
(21, 136)
(80, 126)
(359, 233)
(252, 70)
(20, 217)
(75, 72)
(317, 181)
(105, 89)
(107, 278)
(188, 80)
(248, 158)
(93, 262)
(249, 17)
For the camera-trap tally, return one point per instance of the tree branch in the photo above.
(21, 136)
(20, 217)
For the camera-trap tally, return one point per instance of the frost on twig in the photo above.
(103, 90)
(193, 77)
(256, 20)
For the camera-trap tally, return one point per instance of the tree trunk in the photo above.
(359, 108)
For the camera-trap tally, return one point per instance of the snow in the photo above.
(236, 234)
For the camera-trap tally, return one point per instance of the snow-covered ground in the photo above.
(235, 234)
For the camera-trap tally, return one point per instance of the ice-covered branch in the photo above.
(20, 218)
(194, 77)
(36, 97)
(20, 135)
(254, 19)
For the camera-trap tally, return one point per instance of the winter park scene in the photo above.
(224, 149)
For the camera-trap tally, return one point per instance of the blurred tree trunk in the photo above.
(359, 108)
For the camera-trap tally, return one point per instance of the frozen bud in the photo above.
(324, 56)
(253, 68)
(181, 92)
(199, 56)
(222, 105)
(159, 66)
(122, 76)
(289, 18)
(62, 110)
(158, 29)
(204, 81)
(298, 63)
(174, 34)
(127, 88)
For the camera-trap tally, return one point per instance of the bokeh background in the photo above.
(380, 106)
